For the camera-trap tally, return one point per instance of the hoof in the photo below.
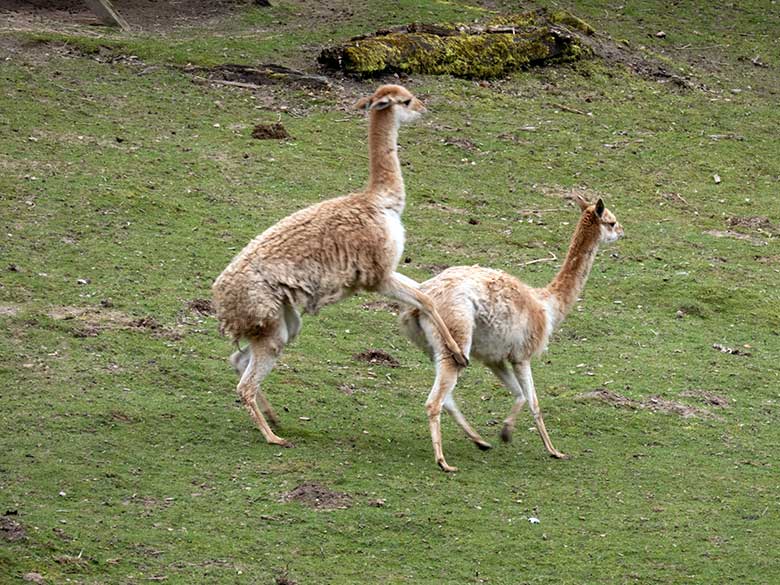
(559, 455)
(460, 359)
(283, 443)
(483, 446)
(446, 468)
(506, 434)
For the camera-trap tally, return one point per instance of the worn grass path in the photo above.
(125, 188)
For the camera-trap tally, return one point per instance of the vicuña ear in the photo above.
(381, 103)
(363, 103)
(599, 207)
(581, 202)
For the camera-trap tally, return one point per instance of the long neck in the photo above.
(385, 176)
(570, 280)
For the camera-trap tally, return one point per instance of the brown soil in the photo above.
(92, 322)
(270, 132)
(757, 223)
(200, 306)
(11, 530)
(653, 403)
(709, 398)
(317, 496)
(736, 236)
(147, 15)
(377, 357)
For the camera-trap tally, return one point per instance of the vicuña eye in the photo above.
(406, 102)
(611, 224)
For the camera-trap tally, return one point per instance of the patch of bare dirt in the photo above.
(92, 322)
(653, 403)
(317, 496)
(709, 398)
(147, 15)
(736, 236)
(376, 357)
(640, 63)
(284, 579)
(270, 132)
(8, 310)
(201, 307)
(757, 223)
(608, 397)
(11, 530)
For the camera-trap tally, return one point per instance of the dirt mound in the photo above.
(653, 403)
(11, 530)
(317, 496)
(757, 222)
(201, 307)
(706, 397)
(270, 132)
(376, 357)
(93, 321)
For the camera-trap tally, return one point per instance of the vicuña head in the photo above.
(393, 99)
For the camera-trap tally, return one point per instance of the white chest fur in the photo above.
(396, 234)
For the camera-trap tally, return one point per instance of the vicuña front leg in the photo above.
(452, 408)
(407, 291)
(523, 374)
(504, 373)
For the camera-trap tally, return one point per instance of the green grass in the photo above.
(126, 454)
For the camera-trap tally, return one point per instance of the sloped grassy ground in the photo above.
(125, 457)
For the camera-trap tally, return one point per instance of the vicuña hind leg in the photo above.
(407, 291)
(523, 373)
(264, 352)
(446, 378)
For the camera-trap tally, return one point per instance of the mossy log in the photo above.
(493, 49)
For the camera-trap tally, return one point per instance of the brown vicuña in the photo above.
(503, 323)
(320, 255)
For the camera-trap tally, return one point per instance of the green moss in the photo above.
(571, 21)
(478, 56)
(471, 53)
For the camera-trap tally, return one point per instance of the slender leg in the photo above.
(264, 353)
(446, 378)
(523, 374)
(452, 408)
(406, 290)
(240, 360)
(507, 377)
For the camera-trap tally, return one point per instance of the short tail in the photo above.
(411, 327)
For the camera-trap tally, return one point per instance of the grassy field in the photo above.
(125, 188)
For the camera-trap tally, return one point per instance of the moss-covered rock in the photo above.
(500, 46)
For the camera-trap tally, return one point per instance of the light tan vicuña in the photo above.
(320, 255)
(503, 323)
